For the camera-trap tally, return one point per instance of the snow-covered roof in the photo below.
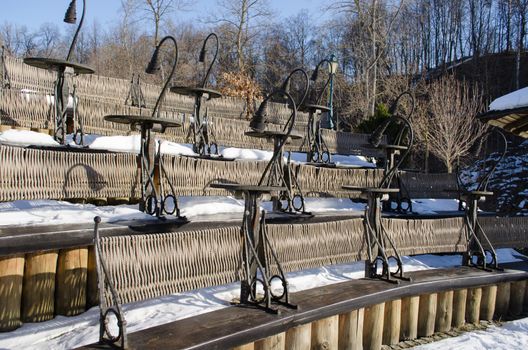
(516, 99)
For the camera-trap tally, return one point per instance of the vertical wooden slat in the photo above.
(502, 305)
(70, 296)
(392, 322)
(11, 277)
(373, 327)
(427, 314)
(409, 319)
(459, 307)
(299, 338)
(250, 346)
(92, 296)
(487, 304)
(38, 291)
(474, 298)
(444, 311)
(325, 333)
(351, 330)
(275, 342)
(517, 297)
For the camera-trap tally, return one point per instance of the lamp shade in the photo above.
(315, 74)
(71, 13)
(202, 54)
(154, 64)
(258, 122)
(333, 65)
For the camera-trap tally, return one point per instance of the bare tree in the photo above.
(452, 126)
(158, 10)
(241, 19)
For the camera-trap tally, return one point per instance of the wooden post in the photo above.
(459, 307)
(427, 314)
(351, 330)
(487, 304)
(474, 297)
(373, 327)
(409, 318)
(70, 296)
(444, 311)
(275, 342)
(503, 300)
(11, 276)
(299, 338)
(92, 296)
(38, 291)
(325, 333)
(517, 297)
(526, 298)
(250, 346)
(392, 322)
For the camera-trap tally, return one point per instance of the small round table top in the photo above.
(269, 134)
(57, 64)
(195, 91)
(140, 119)
(394, 147)
(313, 108)
(370, 189)
(248, 188)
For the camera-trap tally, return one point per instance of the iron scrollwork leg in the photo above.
(256, 261)
(106, 311)
(376, 237)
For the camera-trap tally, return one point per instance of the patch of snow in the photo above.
(512, 100)
(246, 154)
(172, 148)
(131, 143)
(432, 206)
(24, 138)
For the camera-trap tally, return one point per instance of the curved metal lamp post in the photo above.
(378, 240)
(204, 142)
(65, 69)
(257, 252)
(318, 152)
(277, 172)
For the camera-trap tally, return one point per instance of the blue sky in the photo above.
(33, 13)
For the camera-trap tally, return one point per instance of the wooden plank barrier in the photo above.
(517, 298)
(38, 292)
(487, 303)
(373, 327)
(325, 333)
(502, 305)
(70, 296)
(427, 314)
(409, 318)
(392, 322)
(275, 342)
(299, 338)
(351, 330)
(474, 296)
(444, 311)
(92, 297)
(459, 307)
(11, 276)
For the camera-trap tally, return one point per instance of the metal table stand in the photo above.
(154, 199)
(258, 254)
(65, 71)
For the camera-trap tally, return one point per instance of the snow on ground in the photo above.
(68, 332)
(132, 144)
(511, 335)
(512, 100)
(24, 138)
(52, 212)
